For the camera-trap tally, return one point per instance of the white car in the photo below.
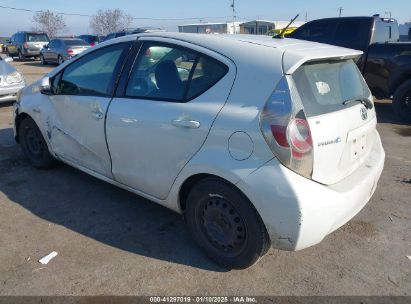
(258, 142)
(11, 81)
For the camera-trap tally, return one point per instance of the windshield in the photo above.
(37, 38)
(324, 86)
(77, 42)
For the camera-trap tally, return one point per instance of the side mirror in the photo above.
(46, 46)
(45, 87)
(8, 59)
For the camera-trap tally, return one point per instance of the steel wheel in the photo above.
(34, 146)
(223, 226)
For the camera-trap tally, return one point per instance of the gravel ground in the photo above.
(111, 242)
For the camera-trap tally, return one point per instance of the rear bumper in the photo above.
(31, 53)
(299, 213)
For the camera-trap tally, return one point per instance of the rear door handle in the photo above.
(191, 124)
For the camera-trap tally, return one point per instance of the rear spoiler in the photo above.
(294, 58)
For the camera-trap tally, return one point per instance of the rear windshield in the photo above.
(37, 38)
(324, 86)
(90, 39)
(76, 42)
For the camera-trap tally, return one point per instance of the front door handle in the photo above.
(191, 124)
(97, 115)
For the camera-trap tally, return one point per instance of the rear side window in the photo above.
(206, 73)
(171, 73)
(93, 74)
(324, 86)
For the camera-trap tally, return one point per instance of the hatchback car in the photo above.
(62, 49)
(276, 149)
(26, 44)
(11, 81)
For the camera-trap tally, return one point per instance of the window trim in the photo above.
(123, 93)
(116, 73)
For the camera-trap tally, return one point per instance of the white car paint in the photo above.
(298, 212)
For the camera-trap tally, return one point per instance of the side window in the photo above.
(318, 31)
(165, 72)
(353, 33)
(93, 74)
(161, 72)
(207, 73)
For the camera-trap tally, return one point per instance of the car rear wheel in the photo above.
(34, 146)
(402, 101)
(43, 61)
(225, 224)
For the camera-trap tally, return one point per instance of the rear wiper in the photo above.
(365, 101)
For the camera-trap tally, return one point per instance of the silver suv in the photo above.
(26, 44)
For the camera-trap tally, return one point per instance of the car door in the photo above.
(47, 51)
(162, 116)
(81, 96)
(54, 49)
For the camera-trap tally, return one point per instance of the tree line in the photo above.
(102, 23)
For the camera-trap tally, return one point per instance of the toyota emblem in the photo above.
(364, 114)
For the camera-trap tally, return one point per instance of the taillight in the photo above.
(92, 43)
(70, 51)
(286, 130)
(25, 45)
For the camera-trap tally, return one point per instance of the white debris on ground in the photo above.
(48, 258)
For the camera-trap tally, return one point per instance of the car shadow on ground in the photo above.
(385, 114)
(98, 210)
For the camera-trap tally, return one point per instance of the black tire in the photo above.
(34, 146)
(21, 56)
(7, 53)
(43, 62)
(60, 60)
(401, 102)
(225, 224)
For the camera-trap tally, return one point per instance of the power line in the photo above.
(135, 18)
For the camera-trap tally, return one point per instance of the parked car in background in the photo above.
(90, 39)
(133, 31)
(11, 81)
(62, 49)
(26, 44)
(242, 135)
(386, 63)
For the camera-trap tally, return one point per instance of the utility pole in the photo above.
(234, 16)
(233, 8)
(389, 13)
(306, 17)
(340, 9)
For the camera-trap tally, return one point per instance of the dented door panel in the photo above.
(77, 133)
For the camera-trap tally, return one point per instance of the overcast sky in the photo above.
(12, 21)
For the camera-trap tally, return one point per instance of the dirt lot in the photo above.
(112, 242)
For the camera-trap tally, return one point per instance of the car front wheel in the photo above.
(34, 146)
(21, 56)
(43, 61)
(225, 224)
(60, 60)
